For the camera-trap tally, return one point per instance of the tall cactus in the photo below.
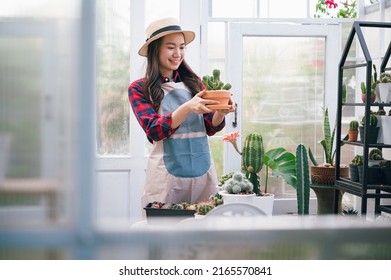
(252, 159)
(303, 181)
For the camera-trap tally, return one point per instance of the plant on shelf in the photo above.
(324, 174)
(371, 128)
(353, 131)
(353, 168)
(383, 88)
(373, 87)
(217, 90)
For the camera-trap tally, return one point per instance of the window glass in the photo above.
(234, 8)
(113, 41)
(283, 92)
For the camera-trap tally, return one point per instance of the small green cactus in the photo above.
(372, 120)
(252, 159)
(385, 78)
(375, 154)
(214, 83)
(353, 126)
(204, 207)
(358, 160)
(238, 184)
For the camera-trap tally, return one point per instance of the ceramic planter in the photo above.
(374, 175)
(364, 96)
(353, 171)
(265, 203)
(373, 132)
(321, 175)
(386, 175)
(383, 92)
(325, 199)
(223, 96)
(353, 135)
(385, 130)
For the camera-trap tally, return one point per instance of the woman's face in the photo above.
(171, 53)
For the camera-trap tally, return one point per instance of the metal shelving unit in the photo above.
(362, 189)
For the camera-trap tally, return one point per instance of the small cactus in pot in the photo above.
(353, 131)
(216, 90)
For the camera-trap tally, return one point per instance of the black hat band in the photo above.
(164, 29)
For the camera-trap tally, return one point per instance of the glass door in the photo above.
(282, 76)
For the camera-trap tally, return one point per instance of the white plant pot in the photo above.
(385, 130)
(265, 203)
(383, 92)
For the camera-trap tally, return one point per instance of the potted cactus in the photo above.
(216, 89)
(280, 161)
(372, 129)
(353, 131)
(383, 88)
(374, 173)
(353, 168)
(373, 87)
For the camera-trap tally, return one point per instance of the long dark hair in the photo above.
(153, 79)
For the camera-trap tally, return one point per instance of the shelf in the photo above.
(361, 189)
(358, 143)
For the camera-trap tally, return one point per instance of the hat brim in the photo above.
(189, 37)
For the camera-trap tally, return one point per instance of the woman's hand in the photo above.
(197, 104)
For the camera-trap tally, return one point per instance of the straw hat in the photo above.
(163, 27)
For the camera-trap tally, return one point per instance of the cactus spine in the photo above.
(252, 159)
(303, 181)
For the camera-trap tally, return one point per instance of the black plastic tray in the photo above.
(158, 212)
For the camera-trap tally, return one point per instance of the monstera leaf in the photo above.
(282, 163)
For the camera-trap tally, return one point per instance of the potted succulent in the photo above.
(375, 156)
(216, 90)
(353, 131)
(372, 129)
(253, 158)
(324, 174)
(383, 88)
(373, 87)
(353, 168)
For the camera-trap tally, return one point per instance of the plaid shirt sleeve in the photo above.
(158, 127)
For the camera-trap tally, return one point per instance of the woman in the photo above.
(169, 106)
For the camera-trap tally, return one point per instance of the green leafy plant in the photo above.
(330, 9)
(327, 142)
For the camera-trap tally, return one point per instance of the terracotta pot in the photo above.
(353, 135)
(321, 175)
(223, 96)
(373, 97)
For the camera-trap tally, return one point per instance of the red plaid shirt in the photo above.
(159, 127)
